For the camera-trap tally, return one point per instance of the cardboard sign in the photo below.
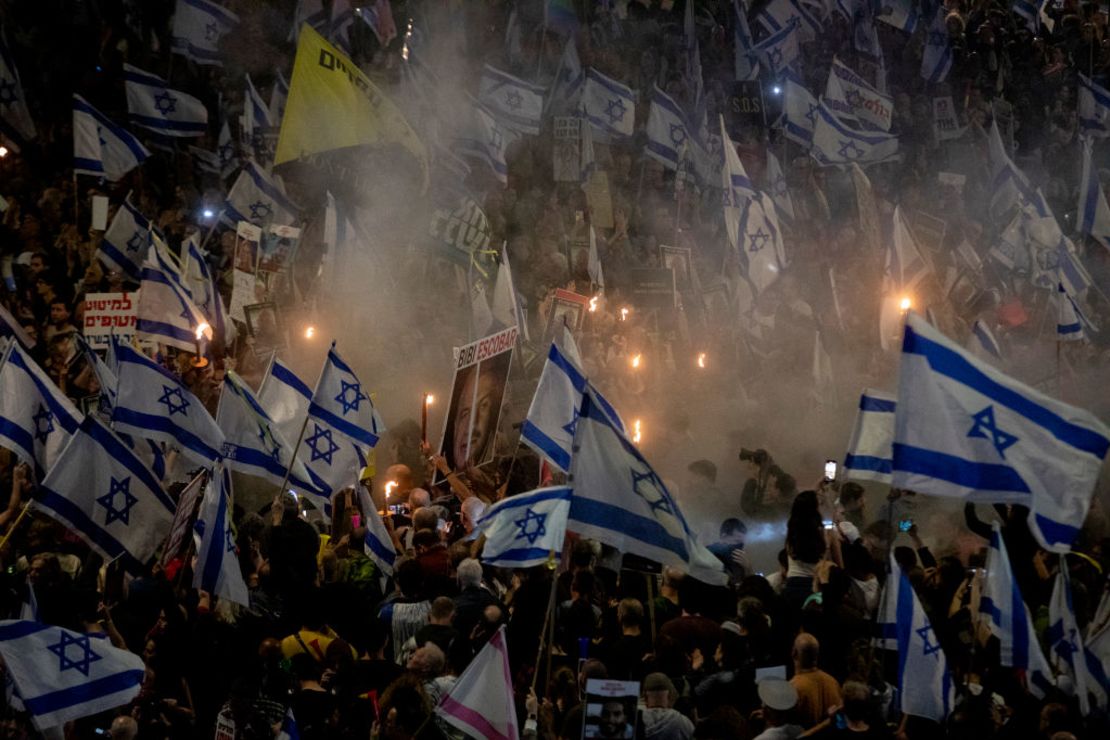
(565, 155)
(745, 105)
(946, 125)
(243, 293)
(652, 287)
(610, 708)
(107, 314)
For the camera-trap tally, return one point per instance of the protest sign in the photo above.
(107, 314)
(610, 708)
(277, 246)
(945, 123)
(600, 200)
(565, 156)
(652, 287)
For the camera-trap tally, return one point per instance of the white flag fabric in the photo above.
(867, 103)
(776, 185)
(201, 285)
(923, 676)
(228, 152)
(125, 243)
(1094, 108)
(15, 118)
(481, 703)
(10, 328)
(1094, 214)
(217, 568)
(516, 104)
(102, 491)
(799, 111)
(256, 113)
(279, 95)
(285, 398)
(738, 189)
(311, 12)
(486, 139)
(869, 451)
(153, 404)
(667, 131)
(778, 14)
(36, 418)
(593, 263)
(982, 341)
(377, 544)
(620, 500)
(165, 312)
(62, 675)
(760, 242)
(505, 306)
(198, 26)
(340, 402)
(526, 529)
(587, 162)
(780, 50)
(1066, 651)
(1069, 327)
(834, 142)
(746, 63)
(100, 147)
(105, 378)
(837, 100)
(936, 59)
(566, 90)
(963, 429)
(1009, 618)
(609, 105)
(904, 270)
(258, 199)
(153, 105)
(339, 32)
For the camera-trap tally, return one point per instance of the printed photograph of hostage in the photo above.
(611, 708)
(474, 413)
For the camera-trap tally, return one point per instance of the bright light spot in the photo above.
(905, 304)
(624, 313)
(389, 487)
(776, 90)
(202, 330)
(209, 213)
(636, 435)
(636, 359)
(309, 331)
(701, 360)
(429, 399)
(3, 151)
(593, 304)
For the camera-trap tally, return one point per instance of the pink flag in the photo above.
(481, 702)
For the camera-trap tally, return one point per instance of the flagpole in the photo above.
(15, 524)
(304, 426)
(651, 604)
(547, 619)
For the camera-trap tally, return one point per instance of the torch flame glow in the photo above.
(636, 361)
(624, 313)
(593, 304)
(905, 304)
(309, 331)
(636, 436)
(429, 399)
(202, 330)
(701, 360)
(389, 487)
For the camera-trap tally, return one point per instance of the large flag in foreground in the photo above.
(869, 451)
(526, 529)
(153, 105)
(100, 147)
(36, 418)
(340, 402)
(481, 703)
(966, 430)
(165, 312)
(62, 675)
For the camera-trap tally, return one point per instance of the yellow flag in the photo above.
(332, 105)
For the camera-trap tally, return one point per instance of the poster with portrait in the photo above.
(477, 395)
(266, 328)
(248, 237)
(610, 709)
(566, 307)
(277, 247)
(677, 259)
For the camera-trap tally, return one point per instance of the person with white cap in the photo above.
(779, 698)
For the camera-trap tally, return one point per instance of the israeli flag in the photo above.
(834, 142)
(936, 59)
(200, 283)
(667, 130)
(1094, 214)
(799, 111)
(279, 95)
(377, 544)
(873, 108)
(566, 90)
(1069, 269)
(166, 313)
(153, 105)
(620, 500)
(36, 418)
(1010, 621)
(100, 147)
(779, 14)
(125, 243)
(15, 118)
(288, 729)
(1072, 324)
(217, 569)
(1066, 651)
(198, 26)
(285, 398)
(256, 113)
(518, 105)
(776, 184)
(760, 242)
(342, 18)
(780, 50)
(982, 341)
(105, 377)
(102, 491)
(869, 451)
(900, 14)
(1094, 108)
(1007, 181)
(10, 328)
(62, 675)
(746, 62)
(527, 529)
(587, 162)
(593, 264)
(228, 152)
(256, 198)
(965, 430)
(254, 445)
(153, 404)
(311, 12)
(923, 676)
(737, 187)
(340, 402)
(486, 140)
(608, 104)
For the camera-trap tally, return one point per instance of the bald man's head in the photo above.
(806, 651)
(123, 728)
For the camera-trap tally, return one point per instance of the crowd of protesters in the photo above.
(355, 654)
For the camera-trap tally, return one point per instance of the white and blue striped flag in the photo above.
(125, 243)
(339, 31)
(255, 123)
(340, 402)
(486, 140)
(1007, 181)
(936, 59)
(609, 105)
(966, 430)
(778, 14)
(153, 404)
(100, 147)
(102, 491)
(198, 26)
(217, 568)
(15, 118)
(526, 529)
(780, 50)
(516, 104)
(165, 312)
(311, 12)
(105, 377)
(834, 142)
(1070, 271)
(10, 328)
(279, 95)
(799, 111)
(62, 675)
(1072, 325)
(36, 418)
(377, 544)
(288, 730)
(737, 187)
(667, 130)
(760, 242)
(746, 63)
(1094, 214)
(201, 285)
(566, 90)
(1009, 619)
(869, 450)
(868, 105)
(901, 14)
(620, 500)
(1066, 651)
(1094, 108)
(926, 684)
(779, 190)
(153, 105)
(837, 101)
(982, 341)
(258, 199)
(228, 151)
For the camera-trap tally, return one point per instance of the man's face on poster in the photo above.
(476, 416)
(613, 719)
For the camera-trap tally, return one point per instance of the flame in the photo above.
(593, 304)
(636, 436)
(624, 313)
(905, 304)
(389, 487)
(3, 151)
(309, 331)
(701, 360)
(203, 329)
(429, 399)
(636, 361)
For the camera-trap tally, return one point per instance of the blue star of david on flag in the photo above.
(758, 240)
(657, 503)
(616, 111)
(165, 103)
(514, 100)
(345, 396)
(212, 32)
(678, 134)
(108, 501)
(44, 424)
(811, 114)
(260, 210)
(229, 541)
(8, 94)
(266, 437)
(135, 243)
(65, 662)
(321, 444)
(169, 394)
(849, 150)
(854, 98)
(928, 647)
(986, 428)
(570, 426)
(532, 526)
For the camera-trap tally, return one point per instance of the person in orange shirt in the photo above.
(818, 692)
